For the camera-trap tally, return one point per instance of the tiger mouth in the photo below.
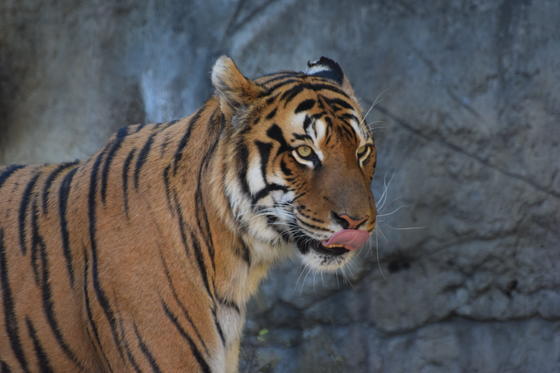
(306, 243)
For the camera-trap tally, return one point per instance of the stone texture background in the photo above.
(464, 275)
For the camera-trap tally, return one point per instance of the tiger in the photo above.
(144, 256)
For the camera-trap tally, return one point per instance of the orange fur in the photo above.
(142, 258)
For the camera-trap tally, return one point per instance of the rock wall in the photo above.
(463, 274)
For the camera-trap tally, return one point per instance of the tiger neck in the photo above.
(239, 269)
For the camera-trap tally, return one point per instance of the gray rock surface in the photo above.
(464, 273)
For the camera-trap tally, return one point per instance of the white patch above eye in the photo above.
(317, 130)
(357, 129)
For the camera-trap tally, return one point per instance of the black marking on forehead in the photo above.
(336, 103)
(297, 88)
(345, 131)
(281, 84)
(275, 133)
(318, 115)
(300, 136)
(305, 105)
(307, 122)
(280, 76)
(326, 87)
(291, 93)
(350, 116)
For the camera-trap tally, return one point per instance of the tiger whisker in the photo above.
(392, 212)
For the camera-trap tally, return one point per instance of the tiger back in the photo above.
(143, 257)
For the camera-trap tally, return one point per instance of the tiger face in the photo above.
(302, 163)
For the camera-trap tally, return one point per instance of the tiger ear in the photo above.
(233, 88)
(326, 68)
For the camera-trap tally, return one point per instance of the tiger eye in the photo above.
(304, 151)
(362, 150)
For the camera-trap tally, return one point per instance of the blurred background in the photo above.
(464, 272)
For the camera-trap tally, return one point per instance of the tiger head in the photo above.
(300, 162)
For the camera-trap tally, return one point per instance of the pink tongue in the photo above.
(352, 239)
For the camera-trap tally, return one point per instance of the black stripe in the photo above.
(184, 140)
(245, 254)
(281, 84)
(169, 124)
(285, 168)
(196, 247)
(218, 326)
(197, 355)
(37, 243)
(115, 146)
(334, 102)
(89, 313)
(129, 354)
(228, 303)
(243, 156)
(307, 122)
(264, 151)
(142, 156)
(305, 105)
(10, 320)
(146, 351)
(63, 194)
(271, 114)
(275, 133)
(312, 225)
(139, 127)
(302, 137)
(126, 167)
(329, 129)
(344, 130)
(7, 172)
(23, 211)
(267, 189)
(42, 359)
(46, 293)
(347, 116)
(287, 74)
(50, 179)
(167, 187)
(99, 292)
(327, 87)
(201, 214)
(291, 93)
(4, 367)
(164, 144)
(310, 217)
(181, 305)
(200, 262)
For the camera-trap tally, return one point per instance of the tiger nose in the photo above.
(348, 222)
